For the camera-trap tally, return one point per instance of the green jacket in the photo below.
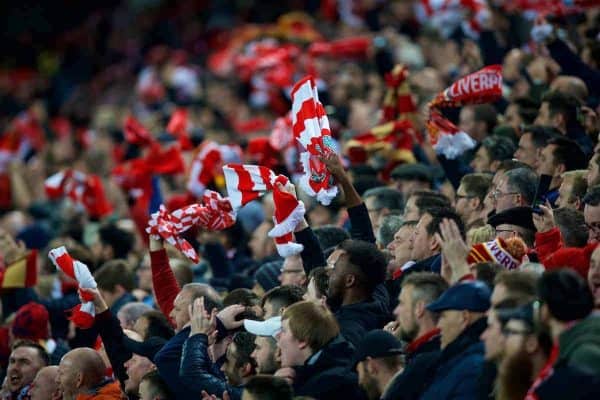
(580, 345)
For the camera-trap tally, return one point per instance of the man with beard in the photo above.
(529, 368)
(378, 361)
(494, 339)
(356, 294)
(25, 360)
(414, 323)
(265, 344)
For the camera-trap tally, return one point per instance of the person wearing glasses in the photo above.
(533, 367)
(494, 339)
(516, 189)
(470, 196)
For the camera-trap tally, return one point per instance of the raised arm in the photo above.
(165, 285)
(360, 222)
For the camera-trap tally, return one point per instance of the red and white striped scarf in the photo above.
(311, 128)
(483, 86)
(85, 190)
(249, 182)
(215, 213)
(206, 165)
(83, 314)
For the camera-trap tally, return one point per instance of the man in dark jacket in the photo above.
(566, 308)
(414, 323)
(379, 360)
(168, 359)
(462, 320)
(313, 354)
(356, 294)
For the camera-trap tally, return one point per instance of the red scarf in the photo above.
(544, 374)
(421, 340)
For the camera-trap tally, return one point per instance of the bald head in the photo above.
(570, 85)
(79, 370)
(44, 386)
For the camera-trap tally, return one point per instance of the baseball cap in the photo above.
(268, 327)
(377, 344)
(471, 296)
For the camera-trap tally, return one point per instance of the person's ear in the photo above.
(419, 308)
(323, 301)
(371, 366)
(79, 380)
(494, 165)
(559, 120)
(577, 203)
(475, 203)
(302, 345)
(350, 280)
(246, 370)
(433, 244)
(560, 169)
(531, 344)
(466, 318)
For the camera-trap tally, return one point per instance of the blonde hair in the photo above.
(482, 234)
(311, 323)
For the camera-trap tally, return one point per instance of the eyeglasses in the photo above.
(291, 271)
(505, 230)
(458, 197)
(506, 331)
(496, 193)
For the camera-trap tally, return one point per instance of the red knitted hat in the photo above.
(31, 322)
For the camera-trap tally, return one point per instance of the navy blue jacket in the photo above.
(168, 361)
(459, 367)
(196, 366)
(327, 375)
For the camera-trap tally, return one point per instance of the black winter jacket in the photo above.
(327, 374)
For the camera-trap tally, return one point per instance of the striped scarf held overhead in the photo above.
(311, 129)
(83, 314)
(483, 86)
(246, 183)
(214, 213)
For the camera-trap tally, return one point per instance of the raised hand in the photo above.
(200, 320)
(334, 165)
(228, 316)
(99, 302)
(545, 221)
(454, 249)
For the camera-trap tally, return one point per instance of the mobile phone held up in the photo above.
(540, 193)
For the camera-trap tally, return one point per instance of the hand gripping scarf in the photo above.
(216, 213)
(248, 182)
(83, 314)
(311, 129)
